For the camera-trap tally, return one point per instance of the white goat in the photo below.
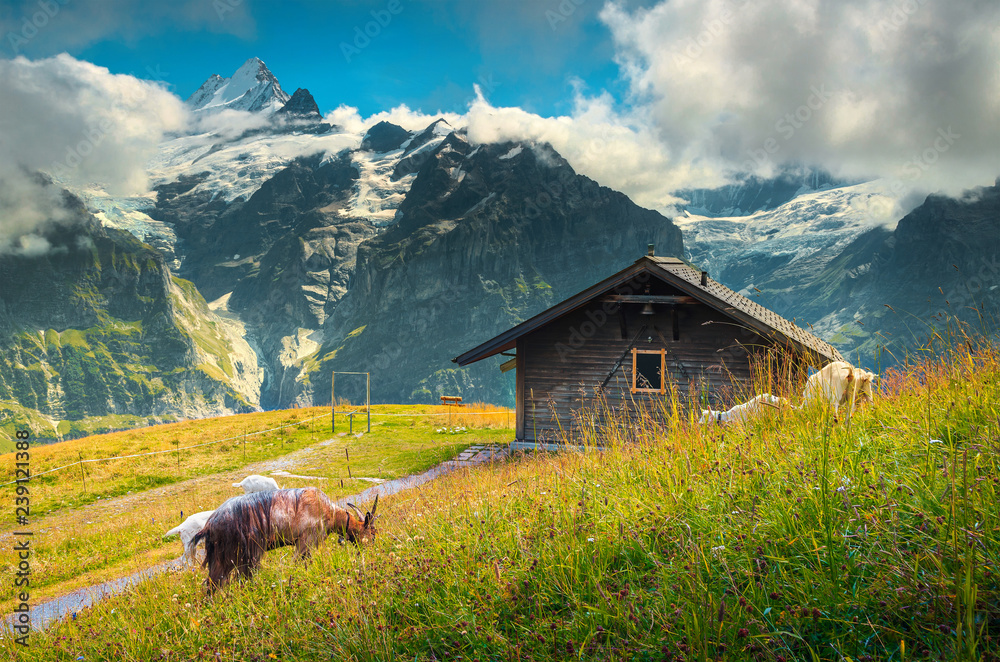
(187, 530)
(742, 412)
(257, 483)
(840, 383)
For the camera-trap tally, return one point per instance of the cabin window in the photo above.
(649, 366)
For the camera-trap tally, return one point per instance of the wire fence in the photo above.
(446, 413)
(168, 450)
(221, 441)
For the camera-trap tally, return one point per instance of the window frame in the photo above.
(663, 370)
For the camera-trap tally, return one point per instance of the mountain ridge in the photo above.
(393, 249)
(97, 327)
(252, 88)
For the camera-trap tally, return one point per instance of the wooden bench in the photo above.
(455, 400)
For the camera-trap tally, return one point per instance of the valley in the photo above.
(296, 247)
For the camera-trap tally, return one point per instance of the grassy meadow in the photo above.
(794, 537)
(114, 526)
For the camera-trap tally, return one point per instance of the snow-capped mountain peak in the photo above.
(253, 88)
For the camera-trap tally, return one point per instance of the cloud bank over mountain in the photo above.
(906, 91)
(82, 123)
(79, 123)
(864, 88)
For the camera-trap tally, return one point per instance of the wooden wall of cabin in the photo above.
(561, 366)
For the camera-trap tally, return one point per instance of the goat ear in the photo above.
(370, 516)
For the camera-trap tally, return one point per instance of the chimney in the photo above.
(649, 251)
(704, 278)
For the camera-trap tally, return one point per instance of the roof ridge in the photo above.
(754, 309)
(728, 301)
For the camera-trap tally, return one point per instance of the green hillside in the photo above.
(797, 537)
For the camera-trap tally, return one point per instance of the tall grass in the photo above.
(794, 537)
(81, 484)
(478, 415)
(114, 526)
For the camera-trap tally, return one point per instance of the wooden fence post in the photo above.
(83, 473)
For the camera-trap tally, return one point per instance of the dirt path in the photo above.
(46, 613)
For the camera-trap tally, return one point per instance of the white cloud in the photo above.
(81, 123)
(229, 123)
(32, 245)
(45, 27)
(906, 90)
(350, 119)
(26, 205)
(616, 149)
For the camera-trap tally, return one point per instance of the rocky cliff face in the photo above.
(96, 326)
(280, 261)
(939, 265)
(487, 236)
(301, 106)
(422, 241)
(756, 193)
(863, 286)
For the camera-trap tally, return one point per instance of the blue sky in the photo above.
(425, 54)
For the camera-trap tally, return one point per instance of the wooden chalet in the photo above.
(624, 343)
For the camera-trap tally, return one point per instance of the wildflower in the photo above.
(743, 633)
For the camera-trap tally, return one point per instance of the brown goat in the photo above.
(244, 527)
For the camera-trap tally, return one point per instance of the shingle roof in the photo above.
(731, 301)
(686, 278)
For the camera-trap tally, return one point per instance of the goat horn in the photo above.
(374, 507)
(355, 509)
